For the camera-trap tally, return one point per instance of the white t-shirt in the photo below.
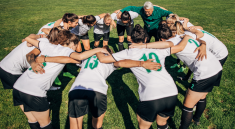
(15, 62)
(101, 27)
(93, 75)
(214, 45)
(81, 29)
(119, 21)
(38, 84)
(152, 84)
(201, 69)
(49, 25)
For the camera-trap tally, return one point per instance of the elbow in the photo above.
(102, 60)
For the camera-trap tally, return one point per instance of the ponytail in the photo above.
(52, 36)
(138, 34)
(69, 17)
(125, 16)
(164, 32)
(179, 28)
(65, 38)
(89, 19)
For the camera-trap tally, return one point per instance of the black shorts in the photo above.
(105, 36)
(84, 37)
(148, 110)
(30, 102)
(81, 100)
(222, 61)
(206, 85)
(121, 29)
(8, 79)
(150, 34)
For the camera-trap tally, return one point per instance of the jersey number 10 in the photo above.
(144, 57)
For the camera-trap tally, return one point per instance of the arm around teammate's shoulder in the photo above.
(105, 58)
(180, 47)
(87, 54)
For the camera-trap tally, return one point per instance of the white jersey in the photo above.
(15, 62)
(49, 25)
(214, 45)
(82, 29)
(93, 75)
(38, 84)
(201, 69)
(119, 21)
(152, 84)
(101, 27)
(188, 24)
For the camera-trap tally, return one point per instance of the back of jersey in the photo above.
(152, 84)
(201, 69)
(214, 45)
(38, 84)
(92, 75)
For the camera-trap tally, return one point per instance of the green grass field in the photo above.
(19, 18)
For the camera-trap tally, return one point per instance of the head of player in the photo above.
(138, 34)
(90, 20)
(71, 19)
(67, 39)
(164, 32)
(162, 22)
(148, 8)
(172, 19)
(108, 20)
(126, 18)
(177, 28)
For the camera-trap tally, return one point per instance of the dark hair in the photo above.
(138, 34)
(52, 36)
(164, 32)
(162, 22)
(126, 17)
(69, 17)
(108, 49)
(89, 19)
(65, 37)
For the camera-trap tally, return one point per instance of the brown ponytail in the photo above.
(69, 17)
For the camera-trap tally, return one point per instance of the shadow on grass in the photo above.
(55, 97)
(123, 96)
(169, 61)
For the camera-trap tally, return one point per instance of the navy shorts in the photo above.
(148, 110)
(30, 102)
(80, 101)
(84, 37)
(206, 85)
(105, 36)
(121, 29)
(8, 79)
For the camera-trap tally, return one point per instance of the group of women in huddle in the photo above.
(44, 55)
